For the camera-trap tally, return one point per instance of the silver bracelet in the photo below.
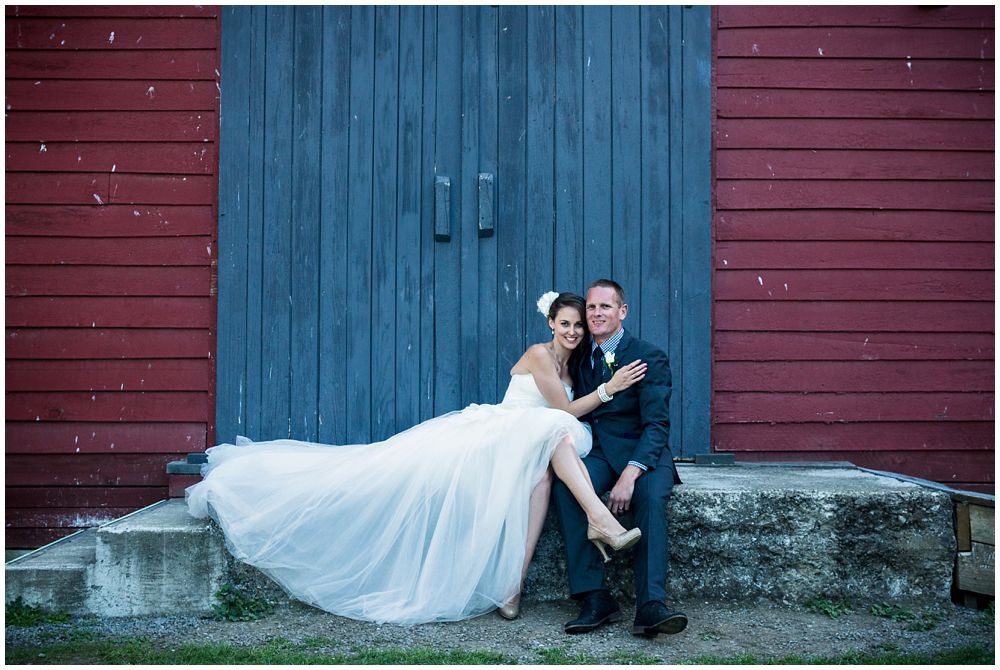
(602, 393)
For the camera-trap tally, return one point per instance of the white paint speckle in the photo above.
(820, 50)
(114, 166)
(725, 262)
(208, 250)
(98, 199)
(151, 92)
(135, 212)
(42, 149)
(760, 280)
(111, 37)
(786, 287)
(755, 49)
(76, 440)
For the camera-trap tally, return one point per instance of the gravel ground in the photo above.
(764, 631)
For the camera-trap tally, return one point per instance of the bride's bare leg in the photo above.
(537, 507)
(573, 473)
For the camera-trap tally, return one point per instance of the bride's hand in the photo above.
(626, 376)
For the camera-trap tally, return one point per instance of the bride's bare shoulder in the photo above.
(531, 359)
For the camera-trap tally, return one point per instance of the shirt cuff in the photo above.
(639, 465)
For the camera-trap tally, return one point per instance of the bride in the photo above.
(437, 523)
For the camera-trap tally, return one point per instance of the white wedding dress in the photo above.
(429, 525)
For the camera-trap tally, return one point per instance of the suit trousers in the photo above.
(648, 506)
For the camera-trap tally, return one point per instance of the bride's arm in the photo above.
(540, 365)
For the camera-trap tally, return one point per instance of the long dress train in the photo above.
(428, 525)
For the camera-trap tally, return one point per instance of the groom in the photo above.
(631, 459)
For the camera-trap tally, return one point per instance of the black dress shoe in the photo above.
(597, 609)
(654, 618)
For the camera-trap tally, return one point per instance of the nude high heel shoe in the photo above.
(602, 540)
(511, 609)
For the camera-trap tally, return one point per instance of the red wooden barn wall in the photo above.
(111, 141)
(853, 259)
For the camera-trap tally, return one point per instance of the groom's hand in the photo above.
(621, 495)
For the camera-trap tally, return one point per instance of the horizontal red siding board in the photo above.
(856, 42)
(146, 11)
(57, 188)
(846, 224)
(83, 496)
(926, 437)
(853, 376)
(55, 280)
(29, 538)
(976, 196)
(190, 158)
(855, 255)
(112, 95)
(104, 126)
(851, 164)
(942, 409)
(151, 251)
(765, 346)
(63, 517)
(941, 466)
(111, 33)
(890, 317)
(77, 343)
(36, 437)
(108, 375)
(87, 470)
(193, 65)
(98, 406)
(906, 134)
(841, 73)
(853, 104)
(163, 190)
(109, 312)
(109, 220)
(951, 16)
(844, 285)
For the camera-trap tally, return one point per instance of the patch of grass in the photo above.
(988, 615)
(20, 614)
(236, 605)
(561, 656)
(833, 608)
(632, 658)
(927, 621)
(892, 612)
(710, 635)
(968, 655)
(279, 651)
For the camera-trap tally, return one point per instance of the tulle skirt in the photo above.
(429, 525)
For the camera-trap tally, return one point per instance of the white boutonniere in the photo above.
(609, 362)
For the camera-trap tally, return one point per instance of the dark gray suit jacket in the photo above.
(635, 425)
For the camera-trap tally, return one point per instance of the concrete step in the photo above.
(57, 575)
(738, 532)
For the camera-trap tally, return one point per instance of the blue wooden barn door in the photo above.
(399, 185)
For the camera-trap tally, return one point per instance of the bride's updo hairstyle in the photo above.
(568, 299)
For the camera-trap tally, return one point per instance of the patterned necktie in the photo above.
(596, 371)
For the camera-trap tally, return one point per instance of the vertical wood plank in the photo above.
(427, 162)
(468, 328)
(569, 167)
(491, 380)
(334, 259)
(676, 344)
(626, 162)
(275, 348)
(254, 405)
(597, 142)
(511, 187)
(234, 165)
(697, 216)
(654, 289)
(408, 293)
(306, 187)
(540, 218)
(383, 359)
(449, 356)
(359, 232)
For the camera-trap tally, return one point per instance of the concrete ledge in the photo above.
(57, 575)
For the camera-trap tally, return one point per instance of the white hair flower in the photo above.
(545, 302)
